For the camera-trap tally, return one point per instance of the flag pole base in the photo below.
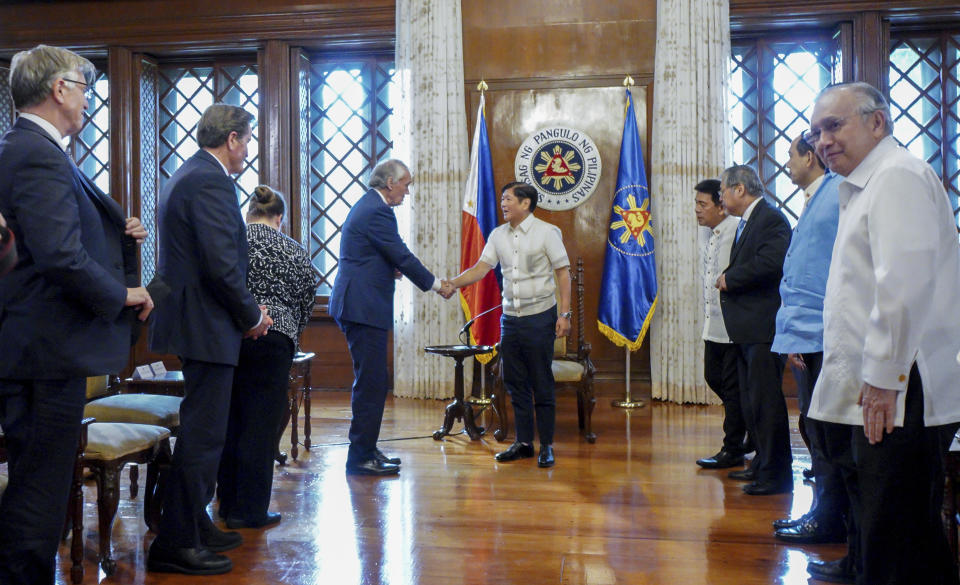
(628, 403)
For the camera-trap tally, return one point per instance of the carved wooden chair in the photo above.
(109, 401)
(110, 446)
(571, 362)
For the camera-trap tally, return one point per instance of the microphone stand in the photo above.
(483, 401)
(465, 330)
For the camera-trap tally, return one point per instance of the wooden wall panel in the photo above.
(190, 25)
(511, 39)
(514, 114)
(332, 368)
(562, 63)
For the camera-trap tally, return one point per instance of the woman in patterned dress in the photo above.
(281, 277)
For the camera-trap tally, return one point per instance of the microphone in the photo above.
(467, 325)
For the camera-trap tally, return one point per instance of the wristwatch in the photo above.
(566, 315)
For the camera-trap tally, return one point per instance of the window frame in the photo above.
(769, 164)
(375, 60)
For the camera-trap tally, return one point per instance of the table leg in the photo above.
(307, 388)
(452, 411)
(470, 424)
(458, 409)
(294, 415)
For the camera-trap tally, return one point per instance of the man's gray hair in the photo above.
(388, 169)
(868, 100)
(32, 73)
(743, 175)
(218, 121)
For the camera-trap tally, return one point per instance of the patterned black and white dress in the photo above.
(281, 277)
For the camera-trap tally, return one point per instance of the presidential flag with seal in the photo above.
(628, 291)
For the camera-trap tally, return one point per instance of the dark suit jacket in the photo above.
(370, 250)
(203, 261)
(752, 298)
(62, 308)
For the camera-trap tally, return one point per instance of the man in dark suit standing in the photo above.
(371, 253)
(63, 313)
(749, 299)
(203, 260)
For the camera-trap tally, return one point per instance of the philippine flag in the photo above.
(479, 216)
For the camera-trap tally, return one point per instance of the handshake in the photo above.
(447, 289)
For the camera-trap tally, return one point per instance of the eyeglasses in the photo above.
(87, 88)
(830, 126)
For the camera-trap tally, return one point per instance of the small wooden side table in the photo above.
(458, 409)
(298, 392)
(170, 384)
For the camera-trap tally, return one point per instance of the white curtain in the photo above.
(432, 138)
(689, 144)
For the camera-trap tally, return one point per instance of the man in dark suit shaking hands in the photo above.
(63, 308)
(203, 260)
(371, 253)
(749, 300)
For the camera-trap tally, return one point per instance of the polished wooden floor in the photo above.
(632, 508)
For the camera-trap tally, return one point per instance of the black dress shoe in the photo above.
(788, 522)
(812, 530)
(546, 456)
(838, 571)
(514, 452)
(721, 460)
(767, 488)
(216, 540)
(372, 467)
(189, 561)
(381, 457)
(742, 475)
(270, 519)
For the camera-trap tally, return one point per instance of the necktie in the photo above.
(740, 227)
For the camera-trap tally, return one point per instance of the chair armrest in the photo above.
(583, 352)
(84, 432)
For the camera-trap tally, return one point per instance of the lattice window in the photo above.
(184, 93)
(91, 146)
(6, 100)
(149, 86)
(924, 93)
(773, 84)
(350, 112)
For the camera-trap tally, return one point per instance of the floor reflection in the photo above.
(632, 508)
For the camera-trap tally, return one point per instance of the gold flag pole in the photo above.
(483, 401)
(628, 401)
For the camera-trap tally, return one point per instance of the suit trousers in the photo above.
(720, 372)
(41, 423)
(368, 350)
(196, 456)
(526, 348)
(257, 406)
(902, 539)
(761, 374)
(836, 440)
(831, 495)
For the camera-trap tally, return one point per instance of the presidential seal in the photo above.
(562, 163)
